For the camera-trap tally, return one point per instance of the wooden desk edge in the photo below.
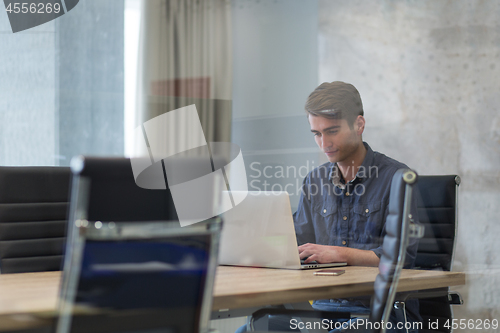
(299, 295)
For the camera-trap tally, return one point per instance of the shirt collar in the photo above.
(363, 172)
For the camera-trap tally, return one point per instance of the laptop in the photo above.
(259, 232)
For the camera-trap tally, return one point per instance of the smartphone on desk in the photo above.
(329, 272)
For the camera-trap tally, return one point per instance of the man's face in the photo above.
(334, 136)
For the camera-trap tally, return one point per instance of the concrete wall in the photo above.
(428, 75)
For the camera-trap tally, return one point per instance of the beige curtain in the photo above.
(185, 58)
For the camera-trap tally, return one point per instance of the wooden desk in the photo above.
(235, 287)
(240, 287)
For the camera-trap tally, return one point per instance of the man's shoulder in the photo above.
(320, 172)
(386, 163)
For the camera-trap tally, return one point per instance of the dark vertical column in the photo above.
(91, 87)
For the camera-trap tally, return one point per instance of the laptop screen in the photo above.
(141, 285)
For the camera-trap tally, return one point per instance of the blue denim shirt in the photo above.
(331, 212)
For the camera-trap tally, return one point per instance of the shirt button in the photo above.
(367, 210)
(345, 218)
(344, 242)
(324, 210)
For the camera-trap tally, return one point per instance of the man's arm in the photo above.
(304, 228)
(327, 254)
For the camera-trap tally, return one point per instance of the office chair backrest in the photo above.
(437, 211)
(33, 214)
(139, 277)
(394, 246)
(104, 189)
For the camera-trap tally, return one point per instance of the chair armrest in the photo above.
(430, 293)
(455, 298)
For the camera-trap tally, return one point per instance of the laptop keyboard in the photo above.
(302, 262)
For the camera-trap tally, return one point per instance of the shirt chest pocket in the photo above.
(324, 207)
(367, 209)
(325, 228)
(327, 211)
(368, 222)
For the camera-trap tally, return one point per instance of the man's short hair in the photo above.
(335, 100)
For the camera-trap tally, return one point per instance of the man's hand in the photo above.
(327, 254)
(322, 253)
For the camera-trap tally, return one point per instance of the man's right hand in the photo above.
(328, 254)
(322, 253)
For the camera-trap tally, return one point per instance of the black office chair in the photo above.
(143, 277)
(115, 222)
(33, 213)
(437, 211)
(104, 189)
(399, 229)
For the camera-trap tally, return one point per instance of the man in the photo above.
(344, 202)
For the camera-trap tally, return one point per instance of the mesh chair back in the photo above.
(33, 215)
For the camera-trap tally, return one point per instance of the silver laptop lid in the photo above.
(259, 232)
